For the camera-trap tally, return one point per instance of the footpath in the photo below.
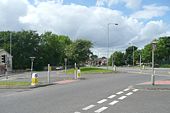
(55, 77)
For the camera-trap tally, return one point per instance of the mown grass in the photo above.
(14, 83)
(165, 66)
(89, 70)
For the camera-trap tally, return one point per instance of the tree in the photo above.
(129, 54)
(118, 58)
(53, 48)
(79, 51)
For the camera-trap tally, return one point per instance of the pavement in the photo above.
(159, 85)
(56, 77)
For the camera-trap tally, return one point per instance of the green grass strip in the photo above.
(88, 70)
(14, 83)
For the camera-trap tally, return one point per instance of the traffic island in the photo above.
(159, 85)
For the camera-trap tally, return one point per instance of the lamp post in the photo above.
(153, 49)
(32, 64)
(11, 51)
(65, 60)
(108, 43)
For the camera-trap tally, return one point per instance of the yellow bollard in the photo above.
(78, 73)
(34, 79)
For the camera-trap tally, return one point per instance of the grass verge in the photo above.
(89, 70)
(14, 83)
(165, 66)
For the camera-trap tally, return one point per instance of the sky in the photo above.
(139, 21)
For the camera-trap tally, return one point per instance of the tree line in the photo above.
(162, 54)
(47, 48)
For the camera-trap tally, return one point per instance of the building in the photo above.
(5, 61)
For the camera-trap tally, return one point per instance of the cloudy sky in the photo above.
(139, 21)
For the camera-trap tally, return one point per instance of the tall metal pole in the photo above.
(32, 64)
(11, 51)
(108, 47)
(153, 77)
(133, 56)
(108, 43)
(140, 60)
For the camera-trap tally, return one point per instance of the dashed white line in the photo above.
(88, 107)
(135, 90)
(119, 93)
(101, 109)
(130, 93)
(101, 101)
(114, 102)
(126, 89)
(77, 112)
(111, 96)
(122, 97)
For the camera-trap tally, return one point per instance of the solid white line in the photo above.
(122, 97)
(101, 109)
(126, 89)
(135, 90)
(114, 102)
(101, 101)
(88, 107)
(130, 93)
(119, 93)
(111, 96)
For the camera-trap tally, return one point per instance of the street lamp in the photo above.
(153, 49)
(108, 43)
(32, 64)
(65, 60)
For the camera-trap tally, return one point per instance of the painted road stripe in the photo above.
(111, 96)
(77, 112)
(101, 101)
(130, 93)
(135, 90)
(88, 107)
(100, 110)
(119, 93)
(122, 97)
(126, 89)
(114, 102)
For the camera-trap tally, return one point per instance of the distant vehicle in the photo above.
(59, 68)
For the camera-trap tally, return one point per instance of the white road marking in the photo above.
(77, 112)
(122, 97)
(101, 101)
(119, 93)
(130, 93)
(135, 90)
(111, 96)
(88, 107)
(114, 102)
(126, 89)
(101, 109)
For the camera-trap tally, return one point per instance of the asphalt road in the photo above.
(99, 93)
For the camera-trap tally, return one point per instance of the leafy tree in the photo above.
(129, 54)
(118, 58)
(79, 51)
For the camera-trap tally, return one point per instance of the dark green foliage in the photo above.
(47, 48)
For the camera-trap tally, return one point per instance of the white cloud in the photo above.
(132, 4)
(10, 11)
(79, 21)
(151, 11)
(36, 2)
(150, 31)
